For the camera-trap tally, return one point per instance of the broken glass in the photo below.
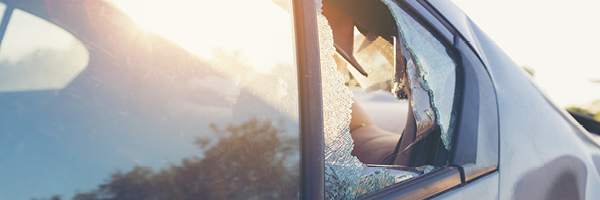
(346, 177)
(420, 103)
(435, 67)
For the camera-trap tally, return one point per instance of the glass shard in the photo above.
(345, 175)
(436, 68)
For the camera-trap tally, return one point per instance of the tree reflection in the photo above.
(248, 162)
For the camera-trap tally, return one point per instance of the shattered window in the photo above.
(362, 154)
(347, 177)
(435, 67)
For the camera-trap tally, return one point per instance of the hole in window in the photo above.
(396, 123)
(38, 55)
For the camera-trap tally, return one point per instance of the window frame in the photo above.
(310, 97)
(472, 125)
(478, 85)
(432, 143)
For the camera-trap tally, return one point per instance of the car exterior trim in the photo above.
(421, 187)
(312, 172)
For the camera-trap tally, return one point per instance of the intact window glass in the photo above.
(179, 100)
(38, 55)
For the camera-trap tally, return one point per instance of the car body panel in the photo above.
(483, 188)
(479, 98)
(478, 129)
(535, 135)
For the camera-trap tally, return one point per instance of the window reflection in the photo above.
(221, 173)
(151, 117)
(260, 28)
(37, 55)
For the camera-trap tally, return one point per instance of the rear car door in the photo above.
(463, 153)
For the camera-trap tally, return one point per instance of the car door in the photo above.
(461, 154)
(149, 109)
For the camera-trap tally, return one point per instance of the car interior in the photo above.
(365, 40)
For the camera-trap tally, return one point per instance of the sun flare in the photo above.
(194, 26)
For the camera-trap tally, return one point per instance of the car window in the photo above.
(431, 76)
(177, 100)
(38, 55)
(435, 67)
(414, 66)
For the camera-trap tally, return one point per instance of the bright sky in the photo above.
(229, 25)
(558, 39)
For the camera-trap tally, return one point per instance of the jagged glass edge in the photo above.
(343, 177)
(443, 112)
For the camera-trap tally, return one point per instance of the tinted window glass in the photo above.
(200, 102)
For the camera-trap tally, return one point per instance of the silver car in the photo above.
(275, 99)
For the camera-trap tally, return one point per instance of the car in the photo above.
(281, 99)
